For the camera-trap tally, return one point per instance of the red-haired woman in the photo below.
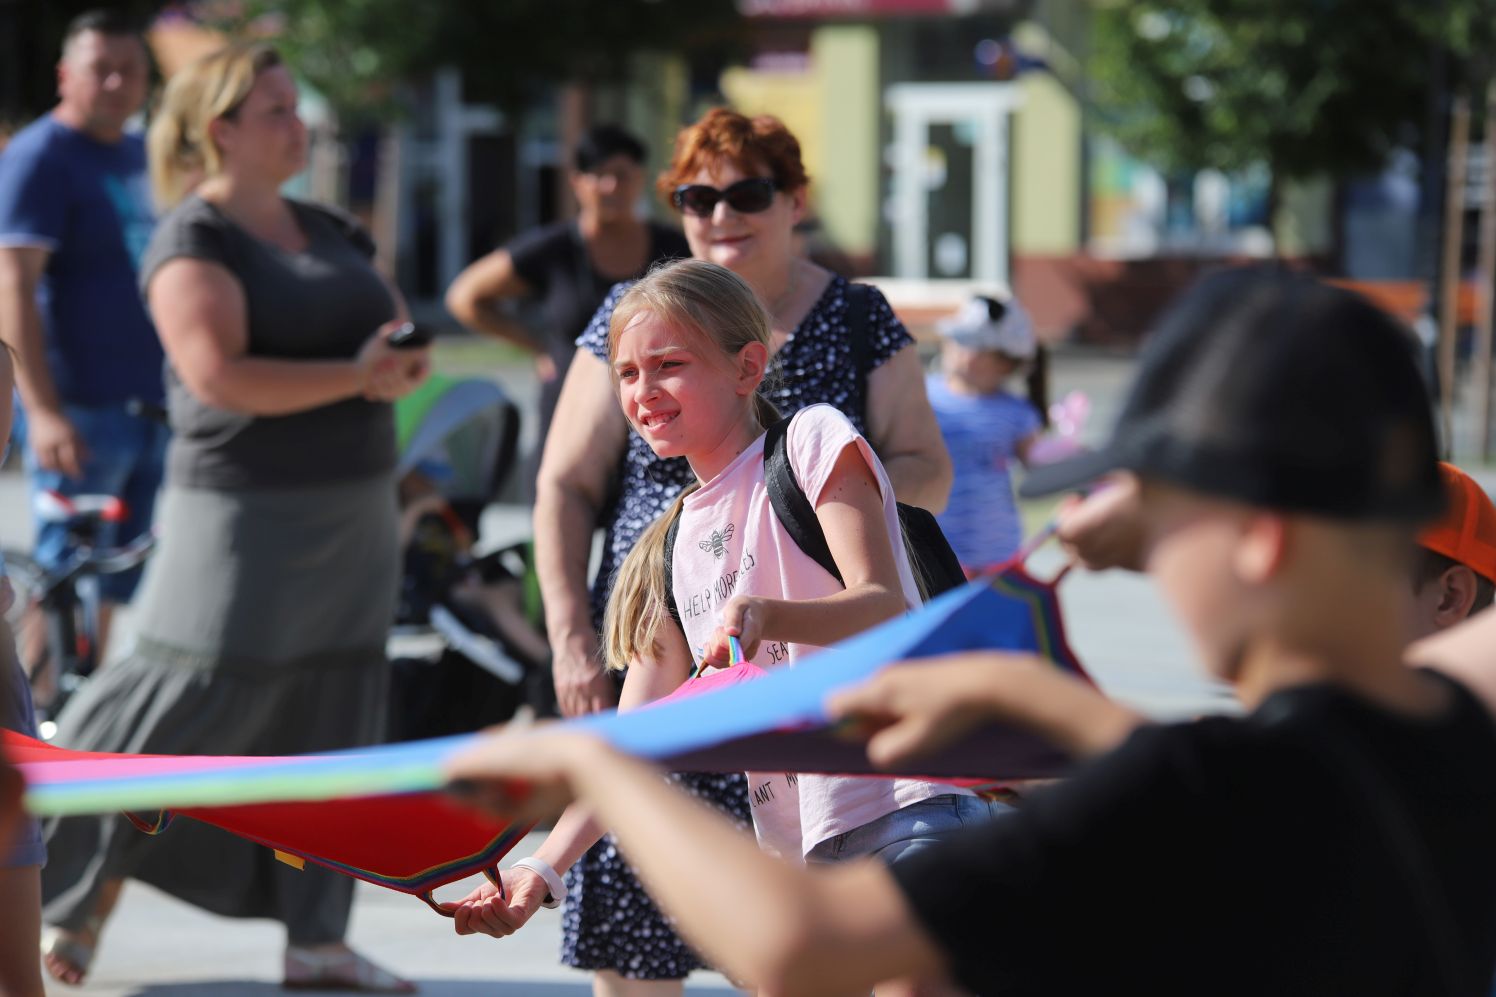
(740, 187)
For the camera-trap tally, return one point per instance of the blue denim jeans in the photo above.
(126, 458)
(909, 830)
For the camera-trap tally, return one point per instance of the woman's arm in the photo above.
(485, 911)
(850, 511)
(587, 439)
(54, 440)
(200, 314)
(901, 427)
(786, 930)
(21, 899)
(475, 295)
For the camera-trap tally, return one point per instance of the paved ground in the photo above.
(157, 946)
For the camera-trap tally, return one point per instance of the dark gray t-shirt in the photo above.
(318, 304)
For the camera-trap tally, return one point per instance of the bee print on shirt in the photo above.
(716, 544)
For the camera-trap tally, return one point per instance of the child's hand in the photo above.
(742, 618)
(521, 775)
(1104, 529)
(486, 912)
(912, 709)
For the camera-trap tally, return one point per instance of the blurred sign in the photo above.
(865, 8)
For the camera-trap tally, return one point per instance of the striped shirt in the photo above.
(982, 433)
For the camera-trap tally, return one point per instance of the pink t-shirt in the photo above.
(731, 543)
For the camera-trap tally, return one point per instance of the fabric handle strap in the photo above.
(450, 909)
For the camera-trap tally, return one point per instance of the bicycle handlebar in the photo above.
(54, 507)
(112, 560)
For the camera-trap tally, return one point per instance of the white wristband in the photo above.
(554, 884)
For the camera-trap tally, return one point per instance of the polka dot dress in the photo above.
(609, 921)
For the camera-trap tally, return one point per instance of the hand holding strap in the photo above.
(554, 884)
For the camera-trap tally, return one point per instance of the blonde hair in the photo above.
(182, 153)
(714, 305)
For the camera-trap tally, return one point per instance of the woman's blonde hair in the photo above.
(182, 153)
(714, 305)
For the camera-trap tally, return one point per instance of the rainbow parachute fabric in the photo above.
(380, 814)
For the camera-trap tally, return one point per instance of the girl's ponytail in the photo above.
(1037, 382)
(640, 598)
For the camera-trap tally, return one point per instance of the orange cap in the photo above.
(1467, 531)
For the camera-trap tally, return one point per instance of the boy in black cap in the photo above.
(1334, 841)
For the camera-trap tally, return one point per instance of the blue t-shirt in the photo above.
(88, 203)
(982, 433)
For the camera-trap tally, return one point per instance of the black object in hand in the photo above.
(411, 336)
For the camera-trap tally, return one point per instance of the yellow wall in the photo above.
(846, 60)
(833, 110)
(794, 98)
(1046, 160)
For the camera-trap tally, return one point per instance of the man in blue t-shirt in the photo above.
(75, 215)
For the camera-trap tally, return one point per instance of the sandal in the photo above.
(68, 955)
(340, 968)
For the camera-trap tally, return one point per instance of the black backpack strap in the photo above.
(670, 533)
(789, 501)
(859, 301)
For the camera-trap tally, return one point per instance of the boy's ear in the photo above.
(753, 360)
(1261, 549)
(1456, 596)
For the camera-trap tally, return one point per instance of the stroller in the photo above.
(468, 645)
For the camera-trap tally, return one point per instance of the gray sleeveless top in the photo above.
(318, 304)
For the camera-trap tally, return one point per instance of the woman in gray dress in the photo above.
(261, 626)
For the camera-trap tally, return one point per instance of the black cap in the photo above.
(1279, 391)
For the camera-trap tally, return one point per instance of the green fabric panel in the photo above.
(411, 410)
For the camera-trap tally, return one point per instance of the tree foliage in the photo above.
(30, 43)
(1307, 86)
(352, 50)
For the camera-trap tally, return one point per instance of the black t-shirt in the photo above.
(554, 262)
(1232, 856)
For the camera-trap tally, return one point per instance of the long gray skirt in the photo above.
(261, 631)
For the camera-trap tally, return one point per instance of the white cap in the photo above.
(1011, 332)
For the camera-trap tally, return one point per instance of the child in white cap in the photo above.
(986, 426)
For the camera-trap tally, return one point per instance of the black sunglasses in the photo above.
(747, 197)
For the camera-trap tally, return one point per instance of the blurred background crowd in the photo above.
(1094, 155)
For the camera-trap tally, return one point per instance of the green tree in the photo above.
(30, 42)
(1309, 87)
(353, 50)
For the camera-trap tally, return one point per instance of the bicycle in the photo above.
(65, 601)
